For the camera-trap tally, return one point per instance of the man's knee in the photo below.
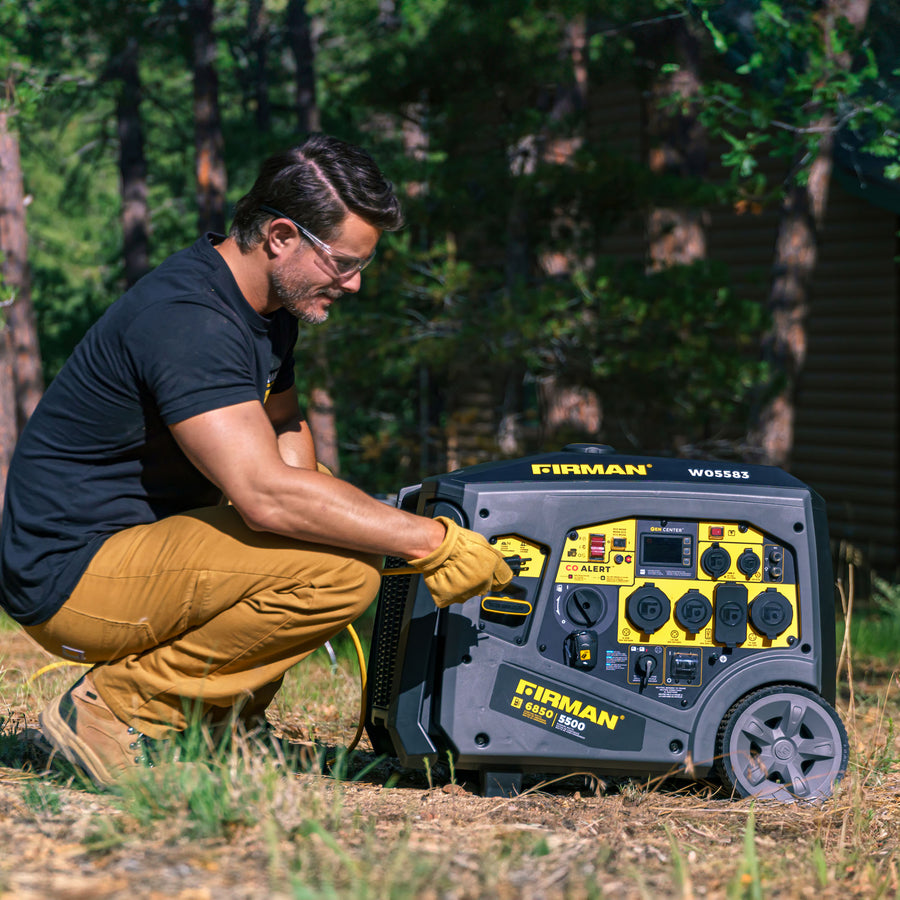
(358, 581)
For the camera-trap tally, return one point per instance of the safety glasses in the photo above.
(345, 266)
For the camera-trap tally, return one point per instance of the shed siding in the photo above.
(846, 443)
(846, 431)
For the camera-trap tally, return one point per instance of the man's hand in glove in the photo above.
(463, 566)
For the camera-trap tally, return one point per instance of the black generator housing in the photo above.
(666, 616)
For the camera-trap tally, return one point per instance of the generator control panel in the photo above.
(651, 603)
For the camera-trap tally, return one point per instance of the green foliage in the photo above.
(887, 597)
(804, 76)
(876, 635)
(41, 799)
(459, 102)
(680, 341)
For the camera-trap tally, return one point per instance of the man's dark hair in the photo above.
(317, 184)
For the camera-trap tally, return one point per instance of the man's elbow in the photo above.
(258, 515)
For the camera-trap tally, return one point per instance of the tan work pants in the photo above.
(198, 612)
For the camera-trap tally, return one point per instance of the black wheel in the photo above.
(782, 742)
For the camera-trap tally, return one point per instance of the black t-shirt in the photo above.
(97, 455)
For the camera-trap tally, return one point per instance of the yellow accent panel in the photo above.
(576, 566)
(734, 551)
(732, 535)
(531, 553)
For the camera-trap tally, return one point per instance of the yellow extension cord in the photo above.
(362, 677)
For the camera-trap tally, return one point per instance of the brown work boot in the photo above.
(85, 731)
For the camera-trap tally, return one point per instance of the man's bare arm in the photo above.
(236, 447)
(295, 441)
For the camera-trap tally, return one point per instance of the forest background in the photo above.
(494, 323)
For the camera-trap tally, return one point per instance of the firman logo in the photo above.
(541, 694)
(589, 469)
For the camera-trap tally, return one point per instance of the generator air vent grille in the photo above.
(394, 591)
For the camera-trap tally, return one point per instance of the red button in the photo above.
(716, 531)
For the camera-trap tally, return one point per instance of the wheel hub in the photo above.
(784, 749)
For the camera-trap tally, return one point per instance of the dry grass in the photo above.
(245, 827)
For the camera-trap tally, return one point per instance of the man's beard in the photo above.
(297, 296)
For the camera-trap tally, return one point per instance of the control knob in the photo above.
(585, 606)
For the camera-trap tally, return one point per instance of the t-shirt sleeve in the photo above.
(191, 359)
(284, 380)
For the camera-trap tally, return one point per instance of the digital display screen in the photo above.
(661, 550)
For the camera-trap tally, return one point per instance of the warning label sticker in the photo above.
(571, 714)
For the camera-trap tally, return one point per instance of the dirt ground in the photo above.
(573, 839)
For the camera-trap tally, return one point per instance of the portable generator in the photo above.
(666, 616)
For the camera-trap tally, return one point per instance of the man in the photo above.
(115, 549)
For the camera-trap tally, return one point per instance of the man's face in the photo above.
(306, 281)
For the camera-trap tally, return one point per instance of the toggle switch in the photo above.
(644, 668)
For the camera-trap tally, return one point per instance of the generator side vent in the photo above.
(394, 592)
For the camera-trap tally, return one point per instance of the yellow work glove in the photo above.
(464, 566)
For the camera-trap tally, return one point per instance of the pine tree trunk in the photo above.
(132, 165)
(677, 147)
(299, 30)
(320, 414)
(8, 431)
(21, 380)
(28, 377)
(258, 36)
(209, 143)
(569, 412)
(471, 420)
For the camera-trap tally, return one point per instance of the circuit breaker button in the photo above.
(684, 668)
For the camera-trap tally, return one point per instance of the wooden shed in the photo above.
(847, 425)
